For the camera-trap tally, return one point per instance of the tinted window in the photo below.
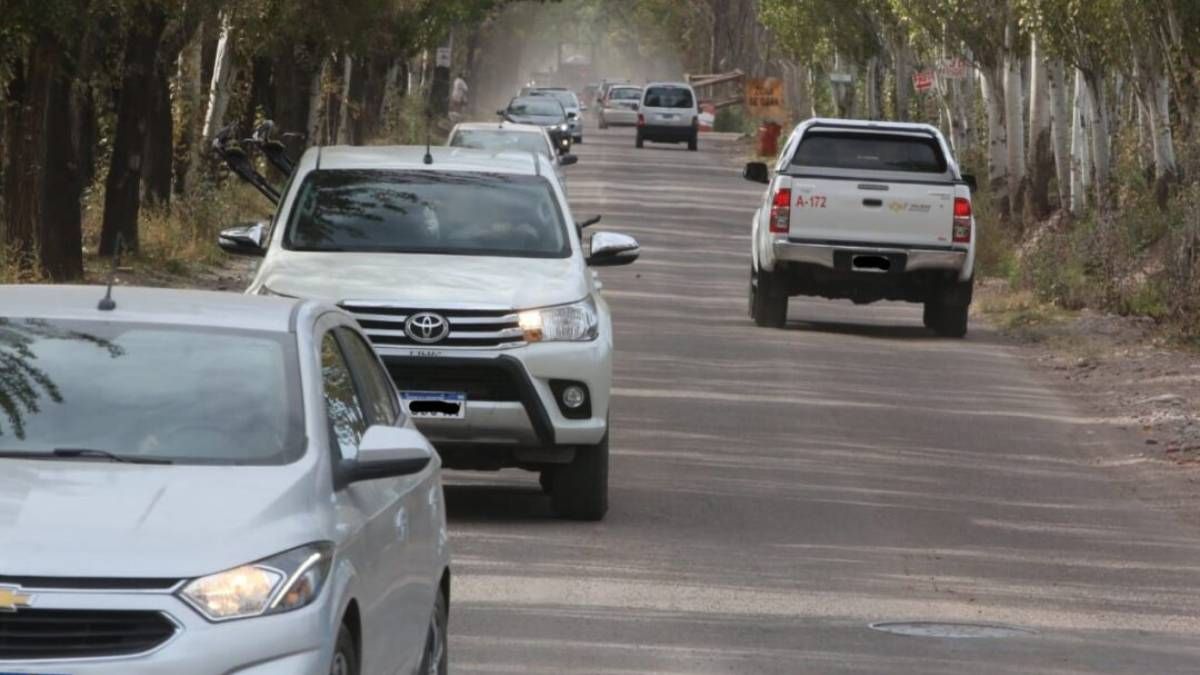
(347, 420)
(192, 396)
(625, 94)
(669, 97)
(373, 381)
(566, 98)
(500, 139)
(871, 152)
(536, 106)
(460, 213)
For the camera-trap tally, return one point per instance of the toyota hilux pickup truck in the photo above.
(864, 211)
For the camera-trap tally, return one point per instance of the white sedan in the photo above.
(502, 136)
(200, 483)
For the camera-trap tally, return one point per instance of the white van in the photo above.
(669, 114)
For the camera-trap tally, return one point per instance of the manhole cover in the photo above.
(938, 629)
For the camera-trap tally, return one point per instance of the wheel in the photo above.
(546, 480)
(640, 142)
(693, 143)
(436, 660)
(580, 489)
(345, 654)
(947, 312)
(768, 302)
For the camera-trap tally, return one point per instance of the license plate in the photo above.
(666, 117)
(439, 405)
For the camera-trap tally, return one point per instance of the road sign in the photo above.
(443, 57)
(923, 80)
(764, 98)
(953, 69)
(841, 78)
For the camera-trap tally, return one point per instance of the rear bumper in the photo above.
(619, 116)
(669, 134)
(835, 256)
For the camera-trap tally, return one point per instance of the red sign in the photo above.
(923, 80)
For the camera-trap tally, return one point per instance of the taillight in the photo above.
(641, 120)
(962, 220)
(781, 211)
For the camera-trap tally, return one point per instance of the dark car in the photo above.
(544, 111)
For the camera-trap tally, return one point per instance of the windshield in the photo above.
(536, 106)
(187, 395)
(459, 213)
(625, 94)
(669, 97)
(566, 98)
(869, 152)
(500, 139)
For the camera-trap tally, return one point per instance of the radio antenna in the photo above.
(107, 304)
(428, 134)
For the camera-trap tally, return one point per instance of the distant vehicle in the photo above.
(477, 288)
(865, 211)
(669, 114)
(211, 483)
(570, 103)
(509, 136)
(605, 85)
(620, 107)
(542, 111)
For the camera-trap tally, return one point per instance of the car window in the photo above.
(566, 98)
(626, 94)
(501, 139)
(374, 383)
(669, 97)
(869, 151)
(191, 396)
(347, 420)
(537, 106)
(434, 212)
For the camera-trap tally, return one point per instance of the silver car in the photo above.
(199, 483)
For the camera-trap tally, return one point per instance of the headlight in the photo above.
(564, 126)
(578, 322)
(282, 583)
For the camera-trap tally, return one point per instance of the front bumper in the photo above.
(837, 256)
(517, 413)
(294, 643)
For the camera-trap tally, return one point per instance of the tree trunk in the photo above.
(61, 228)
(224, 74)
(1041, 147)
(121, 199)
(1099, 123)
(903, 60)
(997, 155)
(159, 140)
(316, 105)
(29, 98)
(345, 104)
(1080, 155)
(191, 111)
(1014, 118)
(1060, 129)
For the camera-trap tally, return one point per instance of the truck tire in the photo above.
(947, 312)
(768, 302)
(580, 489)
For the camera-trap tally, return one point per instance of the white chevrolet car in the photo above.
(210, 484)
(470, 276)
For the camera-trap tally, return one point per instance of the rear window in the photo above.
(538, 106)
(669, 97)
(869, 152)
(500, 139)
(626, 94)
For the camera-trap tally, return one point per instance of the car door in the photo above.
(409, 534)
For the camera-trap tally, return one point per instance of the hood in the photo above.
(542, 120)
(427, 281)
(99, 519)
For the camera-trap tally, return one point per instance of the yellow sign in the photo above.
(765, 99)
(12, 599)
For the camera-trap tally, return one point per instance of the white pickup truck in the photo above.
(865, 211)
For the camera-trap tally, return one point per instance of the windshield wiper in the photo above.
(89, 453)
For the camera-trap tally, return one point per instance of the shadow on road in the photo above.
(497, 503)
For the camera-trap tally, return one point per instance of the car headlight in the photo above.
(564, 126)
(577, 322)
(281, 583)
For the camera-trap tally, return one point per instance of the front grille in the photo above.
(32, 634)
(478, 328)
(91, 583)
(482, 382)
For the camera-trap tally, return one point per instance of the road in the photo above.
(775, 492)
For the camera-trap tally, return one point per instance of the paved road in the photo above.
(774, 492)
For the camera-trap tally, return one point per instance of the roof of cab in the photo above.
(412, 158)
(499, 126)
(868, 124)
(152, 306)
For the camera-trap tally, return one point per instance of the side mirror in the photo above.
(571, 115)
(971, 181)
(386, 452)
(568, 160)
(757, 172)
(244, 240)
(610, 249)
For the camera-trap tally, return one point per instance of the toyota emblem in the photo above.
(427, 328)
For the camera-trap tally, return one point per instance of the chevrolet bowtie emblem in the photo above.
(12, 599)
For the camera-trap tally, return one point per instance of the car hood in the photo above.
(98, 519)
(541, 120)
(427, 281)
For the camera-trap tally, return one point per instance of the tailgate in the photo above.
(850, 210)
